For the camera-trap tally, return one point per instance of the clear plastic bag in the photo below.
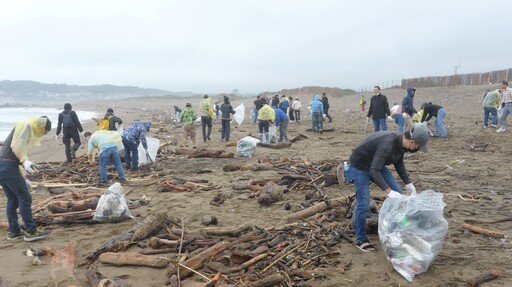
(247, 146)
(412, 231)
(112, 205)
(239, 114)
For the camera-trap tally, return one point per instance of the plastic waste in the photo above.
(153, 145)
(112, 205)
(412, 231)
(239, 114)
(247, 146)
(272, 131)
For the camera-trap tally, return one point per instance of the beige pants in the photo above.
(189, 131)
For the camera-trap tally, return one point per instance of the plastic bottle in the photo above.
(345, 166)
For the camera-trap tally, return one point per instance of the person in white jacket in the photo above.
(296, 106)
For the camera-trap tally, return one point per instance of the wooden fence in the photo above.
(466, 79)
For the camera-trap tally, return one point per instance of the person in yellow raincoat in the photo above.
(14, 154)
(206, 113)
(266, 115)
(108, 143)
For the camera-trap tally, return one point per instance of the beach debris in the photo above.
(127, 258)
(278, 145)
(95, 278)
(319, 207)
(483, 278)
(209, 219)
(62, 268)
(476, 229)
(270, 193)
(298, 138)
(36, 261)
(203, 152)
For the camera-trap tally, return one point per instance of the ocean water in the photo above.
(9, 116)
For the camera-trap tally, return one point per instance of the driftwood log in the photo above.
(121, 259)
(229, 231)
(63, 266)
(476, 229)
(95, 278)
(298, 138)
(269, 281)
(319, 207)
(486, 277)
(197, 153)
(279, 145)
(198, 260)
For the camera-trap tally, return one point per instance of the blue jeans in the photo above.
(380, 125)
(131, 154)
(106, 156)
(317, 121)
(494, 114)
(254, 114)
(504, 113)
(439, 123)
(283, 130)
(263, 126)
(399, 120)
(224, 132)
(361, 180)
(18, 196)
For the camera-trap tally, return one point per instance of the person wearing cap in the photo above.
(188, 118)
(430, 110)
(71, 129)
(15, 152)
(134, 135)
(368, 163)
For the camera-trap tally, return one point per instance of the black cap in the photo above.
(110, 110)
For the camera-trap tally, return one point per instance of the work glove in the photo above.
(394, 194)
(324, 116)
(390, 118)
(27, 165)
(56, 138)
(409, 188)
(29, 185)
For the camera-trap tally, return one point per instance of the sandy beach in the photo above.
(472, 161)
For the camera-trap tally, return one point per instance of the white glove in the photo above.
(390, 118)
(56, 138)
(394, 194)
(29, 185)
(28, 166)
(409, 188)
(324, 116)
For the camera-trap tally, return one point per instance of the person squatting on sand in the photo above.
(226, 111)
(188, 118)
(430, 110)
(132, 136)
(71, 129)
(206, 113)
(108, 143)
(15, 152)
(266, 116)
(378, 110)
(317, 109)
(491, 102)
(369, 161)
(281, 121)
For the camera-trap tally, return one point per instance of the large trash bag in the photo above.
(246, 146)
(112, 205)
(412, 231)
(153, 146)
(239, 114)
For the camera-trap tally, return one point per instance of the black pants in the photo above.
(224, 132)
(291, 115)
(206, 122)
(297, 115)
(68, 134)
(327, 114)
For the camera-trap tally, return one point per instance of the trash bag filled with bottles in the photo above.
(412, 231)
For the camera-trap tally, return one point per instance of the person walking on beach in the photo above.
(378, 110)
(491, 102)
(369, 161)
(430, 110)
(325, 102)
(362, 104)
(206, 112)
(408, 107)
(258, 103)
(226, 111)
(188, 117)
(132, 136)
(108, 143)
(506, 106)
(291, 114)
(177, 112)
(15, 152)
(71, 128)
(296, 105)
(108, 122)
(317, 109)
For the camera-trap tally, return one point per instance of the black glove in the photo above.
(502, 105)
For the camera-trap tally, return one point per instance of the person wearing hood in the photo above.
(368, 163)
(408, 108)
(206, 113)
(108, 122)
(132, 136)
(266, 116)
(284, 104)
(317, 110)
(378, 110)
(71, 128)
(282, 121)
(325, 102)
(226, 111)
(15, 153)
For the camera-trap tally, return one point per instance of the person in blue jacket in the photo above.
(132, 136)
(284, 104)
(408, 107)
(317, 110)
(282, 121)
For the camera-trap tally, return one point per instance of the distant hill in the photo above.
(31, 91)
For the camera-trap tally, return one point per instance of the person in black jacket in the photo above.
(71, 129)
(226, 111)
(430, 110)
(378, 110)
(325, 101)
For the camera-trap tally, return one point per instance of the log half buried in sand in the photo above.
(121, 259)
(319, 207)
(63, 266)
(196, 153)
(95, 278)
(272, 280)
(198, 260)
(227, 231)
(280, 145)
(486, 277)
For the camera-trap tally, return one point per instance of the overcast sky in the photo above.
(254, 46)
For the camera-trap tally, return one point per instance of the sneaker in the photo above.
(500, 130)
(73, 153)
(14, 237)
(485, 127)
(494, 126)
(38, 235)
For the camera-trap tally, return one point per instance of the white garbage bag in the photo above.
(112, 205)
(239, 114)
(247, 146)
(153, 145)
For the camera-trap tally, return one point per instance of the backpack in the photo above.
(67, 120)
(105, 123)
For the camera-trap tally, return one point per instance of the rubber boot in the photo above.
(261, 137)
(267, 138)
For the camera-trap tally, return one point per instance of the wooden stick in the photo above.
(246, 264)
(272, 280)
(70, 213)
(282, 256)
(120, 259)
(476, 229)
(486, 277)
(319, 207)
(229, 231)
